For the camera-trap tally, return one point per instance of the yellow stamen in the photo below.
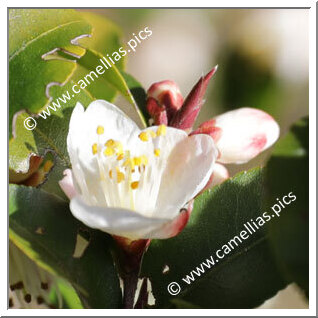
(134, 185)
(129, 163)
(110, 143)
(152, 133)
(100, 130)
(137, 161)
(162, 130)
(120, 177)
(144, 160)
(120, 156)
(94, 149)
(118, 145)
(109, 152)
(157, 152)
(143, 136)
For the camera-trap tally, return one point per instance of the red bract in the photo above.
(187, 114)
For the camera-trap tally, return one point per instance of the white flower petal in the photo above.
(146, 196)
(83, 129)
(219, 175)
(116, 221)
(83, 135)
(175, 226)
(139, 190)
(67, 184)
(245, 133)
(188, 170)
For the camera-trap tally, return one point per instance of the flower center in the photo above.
(129, 180)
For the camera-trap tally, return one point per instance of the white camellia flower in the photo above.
(130, 182)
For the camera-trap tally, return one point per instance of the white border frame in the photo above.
(312, 165)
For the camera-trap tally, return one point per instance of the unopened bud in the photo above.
(157, 112)
(209, 128)
(168, 97)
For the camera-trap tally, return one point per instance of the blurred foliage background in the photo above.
(262, 57)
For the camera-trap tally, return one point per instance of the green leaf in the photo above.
(64, 296)
(244, 278)
(106, 36)
(288, 171)
(113, 77)
(138, 93)
(27, 278)
(34, 33)
(42, 226)
(48, 136)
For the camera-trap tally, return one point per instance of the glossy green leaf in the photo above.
(106, 36)
(111, 76)
(64, 296)
(26, 278)
(34, 287)
(245, 278)
(288, 171)
(34, 33)
(43, 227)
(48, 136)
(138, 93)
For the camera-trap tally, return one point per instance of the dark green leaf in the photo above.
(288, 171)
(34, 33)
(138, 93)
(245, 278)
(48, 136)
(113, 77)
(42, 226)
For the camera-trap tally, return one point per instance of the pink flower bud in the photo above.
(187, 114)
(210, 129)
(157, 112)
(243, 134)
(168, 97)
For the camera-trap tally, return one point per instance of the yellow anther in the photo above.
(157, 152)
(162, 130)
(120, 156)
(109, 152)
(110, 143)
(100, 130)
(144, 160)
(143, 136)
(137, 161)
(119, 174)
(118, 145)
(47, 166)
(152, 133)
(120, 177)
(94, 149)
(134, 185)
(129, 163)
